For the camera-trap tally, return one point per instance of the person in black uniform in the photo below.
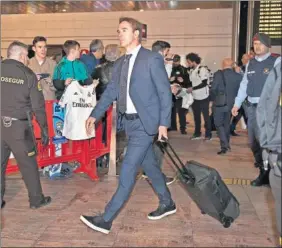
(179, 76)
(21, 95)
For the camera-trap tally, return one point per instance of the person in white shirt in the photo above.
(199, 76)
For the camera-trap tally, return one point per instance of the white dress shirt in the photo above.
(168, 68)
(130, 108)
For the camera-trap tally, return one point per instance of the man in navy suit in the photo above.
(141, 87)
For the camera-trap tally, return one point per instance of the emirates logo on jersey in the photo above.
(82, 104)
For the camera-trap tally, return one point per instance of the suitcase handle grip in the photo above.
(190, 175)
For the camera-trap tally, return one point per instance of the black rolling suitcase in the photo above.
(206, 188)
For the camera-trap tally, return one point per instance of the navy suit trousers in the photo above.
(139, 153)
(222, 124)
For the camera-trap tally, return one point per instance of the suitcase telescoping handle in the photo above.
(184, 169)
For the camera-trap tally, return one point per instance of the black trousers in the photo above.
(181, 114)
(201, 107)
(18, 139)
(253, 134)
(222, 123)
(173, 125)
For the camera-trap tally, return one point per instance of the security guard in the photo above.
(20, 94)
(251, 87)
(179, 76)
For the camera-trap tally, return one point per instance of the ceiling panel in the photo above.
(39, 7)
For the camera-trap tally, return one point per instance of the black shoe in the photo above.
(45, 201)
(262, 179)
(162, 211)
(208, 138)
(169, 180)
(258, 165)
(3, 204)
(229, 149)
(222, 152)
(183, 132)
(96, 223)
(232, 133)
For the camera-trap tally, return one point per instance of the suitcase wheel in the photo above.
(227, 221)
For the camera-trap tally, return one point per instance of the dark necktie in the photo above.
(123, 84)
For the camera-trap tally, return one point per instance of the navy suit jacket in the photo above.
(149, 90)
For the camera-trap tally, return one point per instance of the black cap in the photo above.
(176, 58)
(263, 38)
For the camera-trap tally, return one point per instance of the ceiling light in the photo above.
(197, 8)
(64, 10)
(141, 10)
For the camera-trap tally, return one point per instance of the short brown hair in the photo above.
(38, 39)
(136, 25)
(70, 44)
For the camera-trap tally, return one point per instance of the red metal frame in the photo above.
(85, 152)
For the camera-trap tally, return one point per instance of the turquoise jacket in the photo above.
(69, 69)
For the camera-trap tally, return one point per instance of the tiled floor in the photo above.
(58, 225)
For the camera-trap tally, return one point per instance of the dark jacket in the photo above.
(149, 91)
(104, 74)
(180, 71)
(90, 62)
(269, 111)
(232, 80)
(69, 69)
(21, 92)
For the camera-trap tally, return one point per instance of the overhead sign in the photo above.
(267, 19)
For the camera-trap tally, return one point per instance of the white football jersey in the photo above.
(79, 102)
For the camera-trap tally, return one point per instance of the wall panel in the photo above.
(207, 32)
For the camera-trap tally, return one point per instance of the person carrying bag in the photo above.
(223, 92)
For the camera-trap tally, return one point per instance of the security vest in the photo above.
(257, 73)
